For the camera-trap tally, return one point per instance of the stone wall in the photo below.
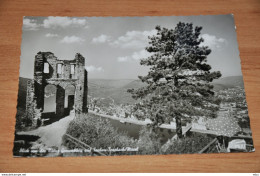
(49, 70)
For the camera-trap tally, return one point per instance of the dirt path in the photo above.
(50, 135)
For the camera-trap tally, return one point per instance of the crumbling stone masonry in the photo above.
(48, 70)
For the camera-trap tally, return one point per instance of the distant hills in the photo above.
(117, 89)
(228, 82)
(110, 83)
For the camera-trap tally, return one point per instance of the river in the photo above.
(133, 130)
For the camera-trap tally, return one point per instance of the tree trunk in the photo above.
(178, 127)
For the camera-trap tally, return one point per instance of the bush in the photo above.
(97, 133)
(22, 121)
(192, 144)
(149, 141)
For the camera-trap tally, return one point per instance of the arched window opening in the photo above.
(50, 92)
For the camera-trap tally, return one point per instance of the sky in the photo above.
(113, 46)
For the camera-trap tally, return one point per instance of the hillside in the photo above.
(228, 82)
(21, 101)
(120, 95)
(117, 89)
(109, 83)
(134, 84)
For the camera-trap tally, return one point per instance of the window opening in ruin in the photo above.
(59, 70)
(46, 68)
(69, 95)
(72, 70)
(69, 99)
(50, 92)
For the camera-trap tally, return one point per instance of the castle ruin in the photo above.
(61, 74)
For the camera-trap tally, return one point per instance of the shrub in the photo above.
(149, 141)
(191, 144)
(22, 121)
(97, 133)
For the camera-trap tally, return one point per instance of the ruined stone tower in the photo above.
(48, 70)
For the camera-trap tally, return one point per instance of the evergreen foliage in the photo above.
(178, 83)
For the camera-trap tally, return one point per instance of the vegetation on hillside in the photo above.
(190, 144)
(97, 133)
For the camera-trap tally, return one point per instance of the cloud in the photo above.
(212, 41)
(101, 39)
(54, 22)
(136, 56)
(133, 39)
(92, 68)
(72, 39)
(30, 25)
(63, 22)
(141, 54)
(123, 59)
(51, 35)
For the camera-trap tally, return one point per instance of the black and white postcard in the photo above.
(106, 86)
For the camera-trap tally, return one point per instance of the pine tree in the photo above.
(178, 82)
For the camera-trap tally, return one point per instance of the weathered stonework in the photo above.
(48, 70)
